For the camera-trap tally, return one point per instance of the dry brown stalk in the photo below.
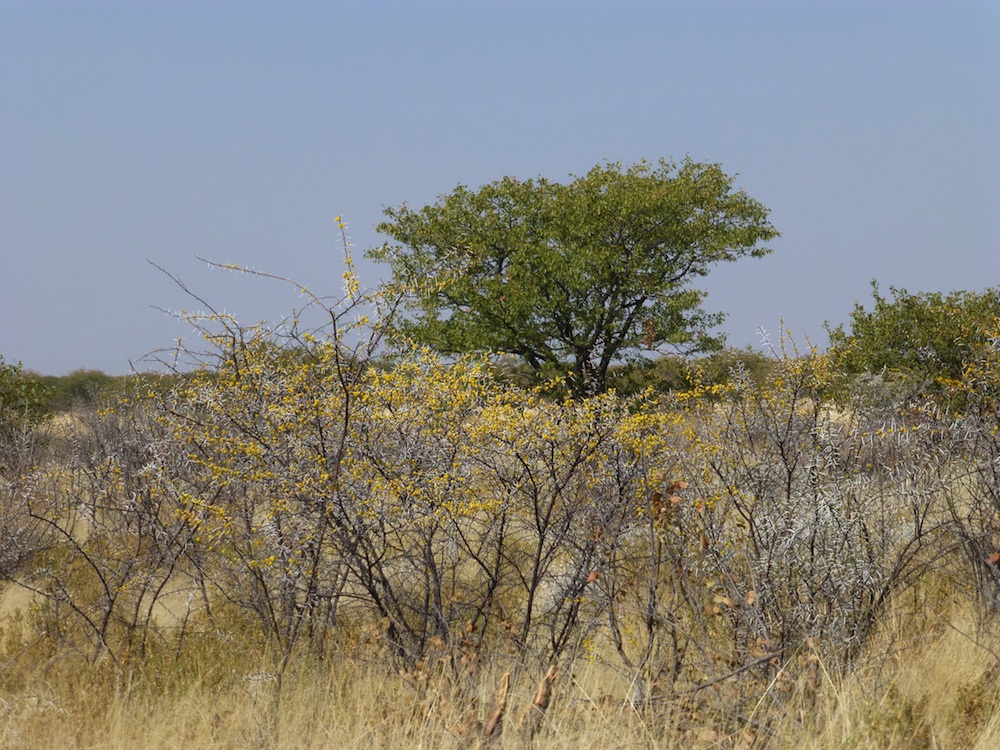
(533, 714)
(544, 693)
(499, 706)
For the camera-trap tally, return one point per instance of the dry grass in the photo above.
(928, 679)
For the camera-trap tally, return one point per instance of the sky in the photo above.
(160, 132)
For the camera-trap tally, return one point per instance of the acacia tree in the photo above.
(575, 276)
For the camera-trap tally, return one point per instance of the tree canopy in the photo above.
(572, 277)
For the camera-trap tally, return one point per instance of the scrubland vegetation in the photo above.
(303, 545)
(304, 538)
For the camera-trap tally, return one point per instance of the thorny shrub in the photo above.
(728, 537)
(974, 497)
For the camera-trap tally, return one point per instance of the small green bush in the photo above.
(21, 396)
(919, 344)
(23, 404)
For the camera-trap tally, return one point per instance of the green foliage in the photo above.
(21, 396)
(90, 388)
(572, 276)
(921, 343)
(79, 388)
(22, 406)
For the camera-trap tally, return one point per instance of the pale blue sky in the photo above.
(238, 130)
